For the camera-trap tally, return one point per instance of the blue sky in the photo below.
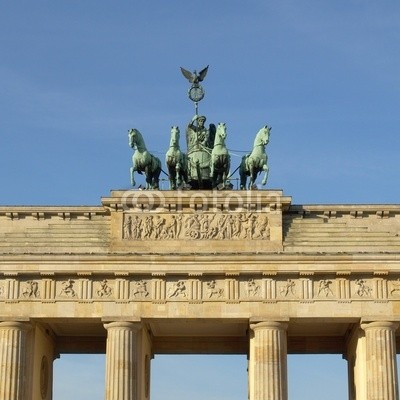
(76, 75)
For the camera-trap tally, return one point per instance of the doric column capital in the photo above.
(389, 325)
(282, 326)
(24, 326)
(133, 326)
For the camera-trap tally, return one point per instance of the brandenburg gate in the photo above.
(199, 269)
(199, 272)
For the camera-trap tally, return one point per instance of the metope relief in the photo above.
(140, 289)
(30, 289)
(104, 289)
(231, 226)
(325, 288)
(177, 290)
(363, 290)
(288, 288)
(67, 288)
(253, 289)
(213, 291)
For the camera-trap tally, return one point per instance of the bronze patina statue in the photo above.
(200, 141)
(207, 161)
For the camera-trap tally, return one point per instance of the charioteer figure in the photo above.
(200, 141)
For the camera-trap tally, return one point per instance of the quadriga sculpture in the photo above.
(176, 161)
(143, 161)
(220, 158)
(256, 162)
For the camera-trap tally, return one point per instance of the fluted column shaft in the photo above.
(381, 360)
(268, 361)
(121, 352)
(12, 360)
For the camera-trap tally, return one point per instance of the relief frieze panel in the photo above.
(141, 289)
(147, 288)
(196, 226)
(30, 289)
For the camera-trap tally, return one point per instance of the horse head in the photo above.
(175, 134)
(221, 133)
(133, 137)
(136, 140)
(262, 137)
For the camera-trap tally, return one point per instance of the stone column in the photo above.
(121, 360)
(13, 360)
(381, 371)
(268, 361)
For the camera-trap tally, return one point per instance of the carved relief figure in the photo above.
(171, 228)
(128, 227)
(288, 288)
(178, 289)
(363, 289)
(140, 289)
(324, 287)
(148, 227)
(261, 228)
(31, 289)
(67, 288)
(158, 224)
(104, 289)
(252, 288)
(213, 290)
(192, 226)
(136, 228)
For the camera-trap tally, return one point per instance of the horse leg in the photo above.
(132, 170)
(148, 176)
(212, 172)
(266, 171)
(178, 174)
(227, 167)
(172, 177)
(243, 176)
(156, 178)
(252, 174)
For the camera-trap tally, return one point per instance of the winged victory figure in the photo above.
(194, 77)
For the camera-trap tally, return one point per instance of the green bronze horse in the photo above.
(220, 158)
(256, 162)
(176, 161)
(143, 161)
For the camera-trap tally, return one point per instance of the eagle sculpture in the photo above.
(195, 77)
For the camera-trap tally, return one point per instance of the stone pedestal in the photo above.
(268, 361)
(13, 360)
(121, 360)
(381, 371)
